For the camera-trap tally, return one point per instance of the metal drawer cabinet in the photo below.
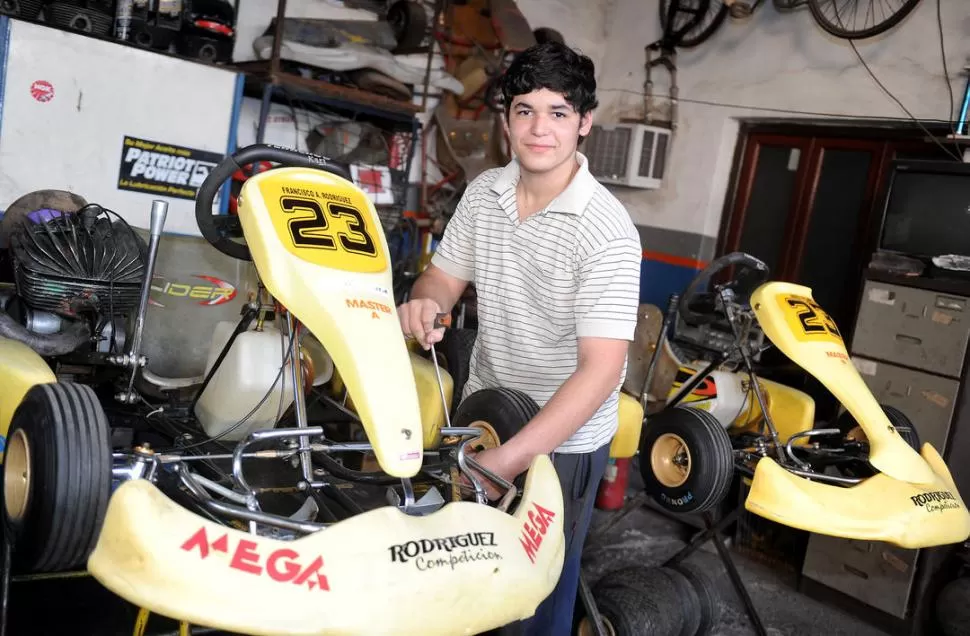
(927, 400)
(876, 573)
(917, 328)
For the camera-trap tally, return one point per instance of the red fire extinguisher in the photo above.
(612, 489)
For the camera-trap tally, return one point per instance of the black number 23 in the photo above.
(814, 320)
(315, 231)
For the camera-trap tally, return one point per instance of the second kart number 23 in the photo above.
(314, 232)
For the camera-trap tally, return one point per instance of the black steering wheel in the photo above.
(698, 307)
(219, 230)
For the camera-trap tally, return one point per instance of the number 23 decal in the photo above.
(314, 232)
(813, 318)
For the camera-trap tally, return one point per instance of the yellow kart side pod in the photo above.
(879, 508)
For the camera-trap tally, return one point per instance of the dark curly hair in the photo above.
(556, 67)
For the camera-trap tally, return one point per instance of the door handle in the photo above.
(911, 340)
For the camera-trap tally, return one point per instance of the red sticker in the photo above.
(42, 91)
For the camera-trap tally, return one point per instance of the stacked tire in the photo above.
(679, 600)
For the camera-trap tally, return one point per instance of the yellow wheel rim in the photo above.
(586, 627)
(489, 438)
(670, 460)
(17, 475)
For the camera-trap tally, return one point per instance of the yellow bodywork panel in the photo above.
(792, 412)
(802, 330)
(379, 572)
(627, 439)
(20, 369)
(429, 397)
(877, 509)
(319, 248)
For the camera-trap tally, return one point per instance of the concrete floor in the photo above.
(646, 537)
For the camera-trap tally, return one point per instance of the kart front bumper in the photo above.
(464, 569)
(879, 508)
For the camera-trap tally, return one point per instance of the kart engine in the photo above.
(76, 276)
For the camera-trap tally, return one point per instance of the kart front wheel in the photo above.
(686, 460)
(851, 431)
(56, 477)
(500, 413)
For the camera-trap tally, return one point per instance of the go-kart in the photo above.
(865, 478)
(185, 531)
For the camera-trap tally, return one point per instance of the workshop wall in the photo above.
(69, 102)
(773, 60)
(582, 23)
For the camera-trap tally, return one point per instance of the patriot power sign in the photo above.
(163, 169)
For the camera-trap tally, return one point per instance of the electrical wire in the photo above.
(785, 111)
(911, 116)
(946, 75)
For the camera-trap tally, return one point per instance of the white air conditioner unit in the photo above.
(633, 155)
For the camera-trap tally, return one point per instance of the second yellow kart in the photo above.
(868, 478)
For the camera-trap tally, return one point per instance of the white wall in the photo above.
(102, 92)
(772, 60)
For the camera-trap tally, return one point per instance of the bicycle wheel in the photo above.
(686, 12)
(857, 19)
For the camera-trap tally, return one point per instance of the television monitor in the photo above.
(927, 209)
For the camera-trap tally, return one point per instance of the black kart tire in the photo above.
(907, 431)
(643, 601)
(61, 432)
(456, 347)
(709, 601)
(705, 446)
(952, 607)
(506, 410)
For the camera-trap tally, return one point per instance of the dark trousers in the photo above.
(579, 476)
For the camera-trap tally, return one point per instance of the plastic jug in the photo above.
(249, 372)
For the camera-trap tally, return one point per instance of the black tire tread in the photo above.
(457, 346)
(638, 601)
(523, 408)
(725, 457)
(68, 429)
(718, 452)
(709, 601)
(691, 602)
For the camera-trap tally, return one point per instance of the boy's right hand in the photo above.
(418, 318)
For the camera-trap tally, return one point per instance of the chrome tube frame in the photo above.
(819, 432)
(245, 514)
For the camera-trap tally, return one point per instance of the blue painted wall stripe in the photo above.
(658, 280)
(4, 56)
(237, 100)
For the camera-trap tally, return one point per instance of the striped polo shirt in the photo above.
(570, 270)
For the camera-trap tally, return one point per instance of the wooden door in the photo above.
(810, 207)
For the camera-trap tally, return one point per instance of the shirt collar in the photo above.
(572, 200)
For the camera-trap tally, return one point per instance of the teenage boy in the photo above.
(555, 260)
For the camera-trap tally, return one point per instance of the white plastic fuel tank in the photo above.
(249, 371)
(723, 394)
